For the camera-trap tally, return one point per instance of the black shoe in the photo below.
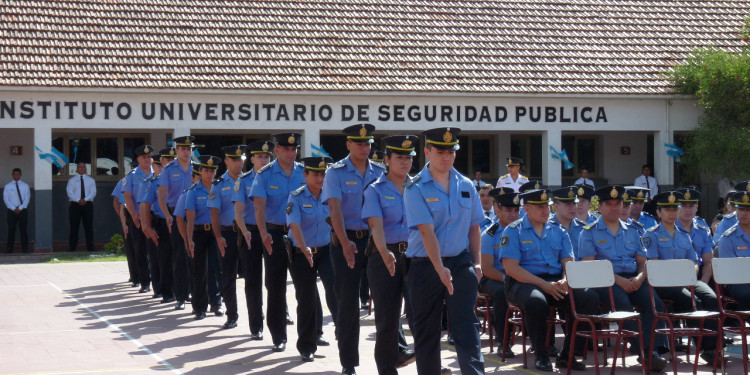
(144, 289)
(289, 320)
(348, 371)
(680, 346)
(180, 305)
(322, 341)
(189, 299)
(445, 371)
(167, 299)
(135, 284)
(658, 362)
(280, 347)
(552, 351)
(156, 295)
(365, 305)
(562, 364)
(405, 357)
(216, 309)
(231, 323)
(256, 336)
(508, 353)
(450, 340)
(708, 356)
(543, 364)
(200, 316)
(307, 357)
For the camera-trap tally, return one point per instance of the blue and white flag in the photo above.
(562, 156)
(674, 152)
(195, 156)
(318, 151)
(54, 157)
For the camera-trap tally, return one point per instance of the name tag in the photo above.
(273, 187)
(601, 241)
(430, 200)
(139, 179)
(176, 175)
(528, 241)
(351, 182)
(201, 197)
(226, 188)
(741, 247)
(389, 198)
(496, 246)
(307, 205)
(664, 240)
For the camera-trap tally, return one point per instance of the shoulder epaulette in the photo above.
(730, 230)
(338, 164)
(192, 187)
(217, 180)
(701, 226)
(727, 216)
(245, 174)
(413, 180)
(265, 167)
(515, 223)
(522, 176)
(579, 221)
(587, 227)
(652, 228)
(150, 179)
(648, 214)
(298, 191)
(638, 223)
(378, 164)
(505, 175)
(133, 170)
(492, 229)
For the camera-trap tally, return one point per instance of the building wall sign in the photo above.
(286, 112)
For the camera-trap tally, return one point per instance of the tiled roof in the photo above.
(503, 46)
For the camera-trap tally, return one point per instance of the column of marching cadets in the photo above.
(427, 238)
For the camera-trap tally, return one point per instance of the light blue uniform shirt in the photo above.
(592, 218)
(117, 191)
(241, 190)
(179, 208)
(621, 249)
(725, 224)
(310, 213)
(637, 226)
(734, 243)
(196, 200)
(149, 194)
(538, 255)
(343, 181)
(176, 180)
(660, 244)
(700, 235)
(576, 227)
(132, 184)
(272, 184)
(491, 244)
(486, 223)
(383, 200)
(647, 220)
(452, 213)
(220, 197)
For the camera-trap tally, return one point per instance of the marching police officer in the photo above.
(224, 228)
(612, 239)
(534, 251)
(250, 245)
(152, 244)
(155, 227)
(310, 239)
(200, 240)
(343, 192)
(735, 243)
(443, 213)
(130, 189)
(513, 179)
(669, 241)
(270, 193)
(181, 221)
(122, 212)
(383, 210)
(177, 179)
(700, 234)
(505, 205)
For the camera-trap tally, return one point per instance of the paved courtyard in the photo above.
(83, 318)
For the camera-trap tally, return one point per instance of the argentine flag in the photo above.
(54, 157)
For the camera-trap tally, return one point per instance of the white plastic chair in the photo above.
(732, 271)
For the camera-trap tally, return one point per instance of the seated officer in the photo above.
(730, 219)
(633, 195)
(564, 201)
(668, 241)
(735, 243)
(534, 251)
(505, 204)
(612, 239)
(583, 205)
(700, 234)
(636, 208)
(531, 185)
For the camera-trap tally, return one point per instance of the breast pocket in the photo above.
(276, 197)
(631, 249)
(391, 208)
(351, 188)
(530, 251)
(465, 203)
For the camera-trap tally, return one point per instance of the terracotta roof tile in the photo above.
(565, 47)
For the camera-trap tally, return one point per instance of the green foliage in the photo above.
(116, 245)
(720, 80)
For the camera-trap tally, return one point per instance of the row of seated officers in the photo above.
(417, 237)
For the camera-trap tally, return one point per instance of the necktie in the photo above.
(20, 200)
(648, 186)
(83, 190)
(487, 213)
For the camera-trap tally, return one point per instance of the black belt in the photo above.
(251, 227)
(203, 227)
(313, 250)
(271, 226)
(229, 228)
(357, 234)
(397, 248)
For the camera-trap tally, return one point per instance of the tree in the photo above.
(720, 80)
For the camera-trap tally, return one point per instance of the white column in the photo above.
(502, 152)
(311, 136)
(551, 170)
(180, 132)
(42, 197)
(663, 163)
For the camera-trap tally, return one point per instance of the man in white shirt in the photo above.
(513, 179)
(585, 180)
(477, 181)
(645, 180)
(81, 192)
(16, 196)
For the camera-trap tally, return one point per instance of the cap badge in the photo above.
(239, 151)
(291, 139)
(447, 137)
(146, 150)
(406, 144)
(510, 161)
(544, 196)
(613, 193)
(745, 198)
(501, 192)
(516, 200)
(264, 147)
(322, 164)
(747, 187)
(536, 186)
(210, 161)
(581, 191)
(671, 198)
(640, 194)
(571, 194)
(171, 151)
(363, 131)
(687, 195)
(625, 195)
